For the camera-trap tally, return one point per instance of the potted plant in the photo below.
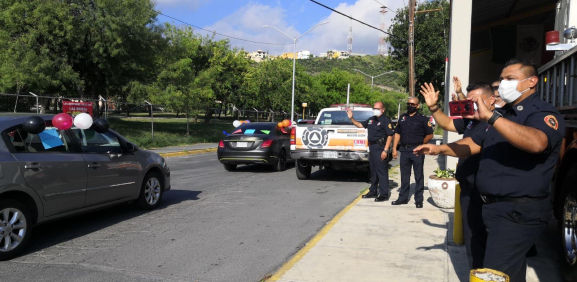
(442, 188)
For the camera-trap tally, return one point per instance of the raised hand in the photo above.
(350, 113)
(428, 92)
(455, 97)
(457, 83)
(427, 149)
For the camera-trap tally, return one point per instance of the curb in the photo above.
(187, 153)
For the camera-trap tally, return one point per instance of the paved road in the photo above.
(213, 226)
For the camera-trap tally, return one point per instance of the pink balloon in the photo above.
(62, 121)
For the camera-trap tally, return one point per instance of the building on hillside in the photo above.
(258, 56)
(303, 55)
(343, 55)
(357, 54)
(287, 55)
(322, 55)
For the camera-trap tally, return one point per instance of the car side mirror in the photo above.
(131, 147)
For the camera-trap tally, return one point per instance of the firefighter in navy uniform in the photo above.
(519, 151)
(413, 129)
(379, 137)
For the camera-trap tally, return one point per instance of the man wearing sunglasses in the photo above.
(413, 129)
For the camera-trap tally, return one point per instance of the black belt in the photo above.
(493, 199)
(410, 145)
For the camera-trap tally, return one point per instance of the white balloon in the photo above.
(83, 121)
(236, 123)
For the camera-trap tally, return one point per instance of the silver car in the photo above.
(56, 173)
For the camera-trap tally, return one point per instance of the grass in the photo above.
(169, 132)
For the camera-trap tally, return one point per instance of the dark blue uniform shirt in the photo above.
(378, 127)
(506, 171)
(413, 129)
(467, 167)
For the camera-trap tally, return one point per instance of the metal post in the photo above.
(294, 69)
(152, 119)
(411, 48)
(372, 82)
(348, 92)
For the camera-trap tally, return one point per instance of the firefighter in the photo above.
(379, 137)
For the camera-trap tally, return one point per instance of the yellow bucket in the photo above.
(458, 237)
(487, 275)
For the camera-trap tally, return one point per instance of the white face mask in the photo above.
(508, 90)
(376, 113)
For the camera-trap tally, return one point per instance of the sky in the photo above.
(245, 19)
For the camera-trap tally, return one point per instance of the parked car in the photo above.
(255, 143)
(56, 173)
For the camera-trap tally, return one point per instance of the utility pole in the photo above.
(412, 48)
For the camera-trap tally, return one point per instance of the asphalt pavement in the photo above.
(213, 225)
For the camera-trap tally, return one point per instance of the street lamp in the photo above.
(373, 77)
(294, 60)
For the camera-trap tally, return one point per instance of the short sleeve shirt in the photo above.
(507, 171)
(378, 127)
(467, 167)
(413, 129)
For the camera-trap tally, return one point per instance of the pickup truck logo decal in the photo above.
(315, 137)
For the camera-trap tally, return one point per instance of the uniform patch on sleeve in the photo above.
(551, 121)
(430, 124)
(390, 126)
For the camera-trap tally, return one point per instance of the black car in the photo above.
(255, 143)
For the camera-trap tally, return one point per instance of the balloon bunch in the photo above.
(283, 125)
(237, 123)
(64, 121)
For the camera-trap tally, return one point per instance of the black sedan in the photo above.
(255, 143)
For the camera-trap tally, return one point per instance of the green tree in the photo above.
(431, 41)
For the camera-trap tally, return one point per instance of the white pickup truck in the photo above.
(332, 141)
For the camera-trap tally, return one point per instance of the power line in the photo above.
(212, 31)
(327, 7)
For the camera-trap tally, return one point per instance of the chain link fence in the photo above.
(31, 103)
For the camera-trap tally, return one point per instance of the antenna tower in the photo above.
(382, 44)
(350, 39)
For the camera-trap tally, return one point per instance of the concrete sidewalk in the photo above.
(372, 241)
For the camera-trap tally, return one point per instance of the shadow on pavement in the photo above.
(59, 231)
(340, 175)
(260, 168)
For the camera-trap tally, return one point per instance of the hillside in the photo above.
(372, 65)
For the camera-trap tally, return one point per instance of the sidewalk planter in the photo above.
(442, 188)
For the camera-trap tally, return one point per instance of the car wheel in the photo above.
(281, 163)
(151, 191)
(15, 223)
(230, 167)
(567, 227)
(303, 170)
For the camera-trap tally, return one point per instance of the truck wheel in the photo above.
(15, 228)
(303, 170)
(567, 227)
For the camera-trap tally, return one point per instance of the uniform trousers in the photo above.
(379, 171)
(474, 232)
(512, 228)
(408, 160)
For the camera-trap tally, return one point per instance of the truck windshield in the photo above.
(341, 118)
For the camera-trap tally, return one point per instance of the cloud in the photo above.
(194, 4)
(247, 23)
